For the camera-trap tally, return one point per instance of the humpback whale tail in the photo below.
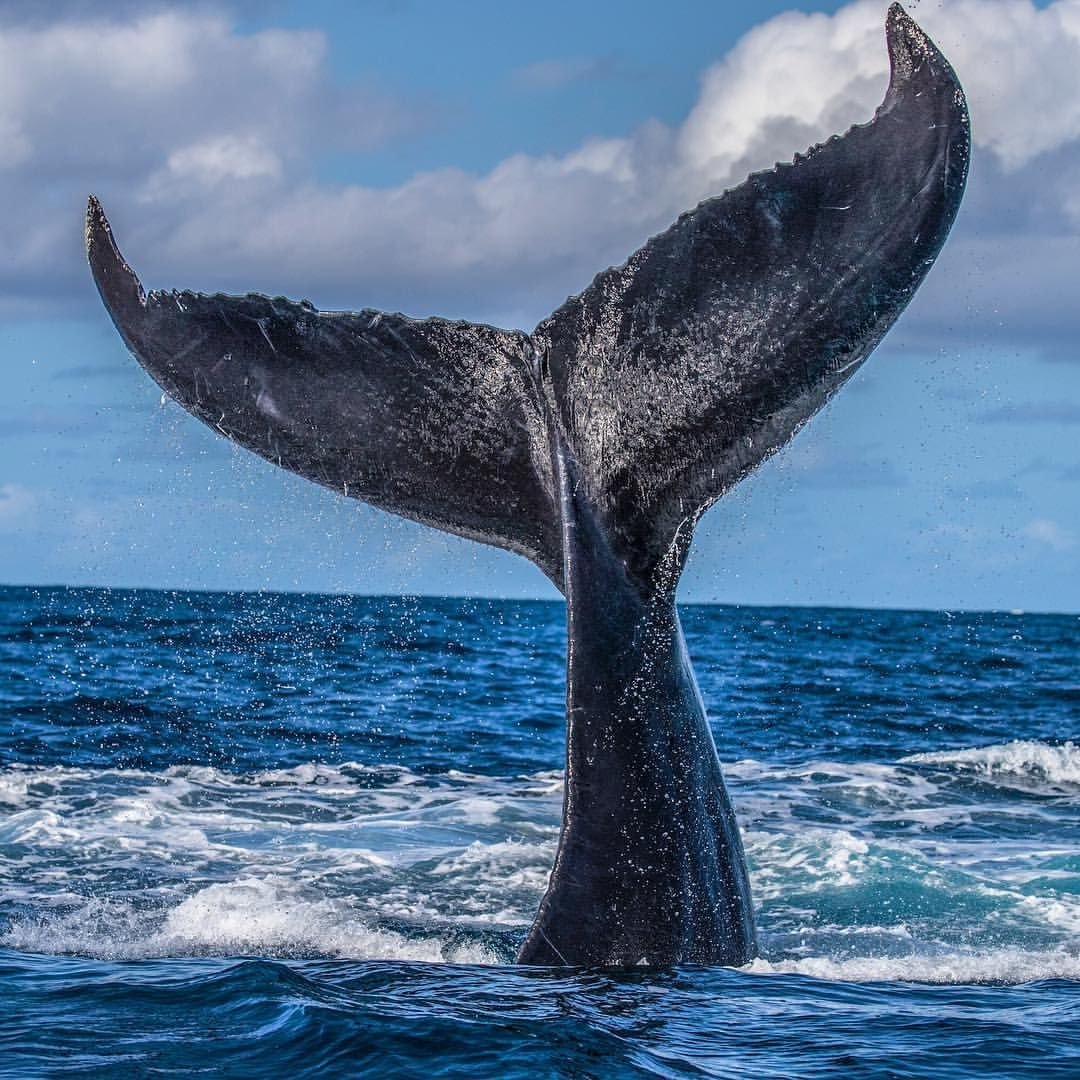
(592, 446)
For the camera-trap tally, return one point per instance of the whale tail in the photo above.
(669, 378)
(592, 446)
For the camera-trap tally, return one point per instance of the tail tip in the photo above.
(907, 42)
(97, 224)
(914, 57)
(117, 282)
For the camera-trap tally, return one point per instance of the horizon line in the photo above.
(797, 606)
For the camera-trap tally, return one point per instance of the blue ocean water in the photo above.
(263, 835)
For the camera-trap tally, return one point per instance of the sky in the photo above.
(484, 160)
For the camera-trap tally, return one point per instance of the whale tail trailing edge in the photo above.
(592, 446)
(669, 378)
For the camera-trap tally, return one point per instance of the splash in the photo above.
(1057, 766)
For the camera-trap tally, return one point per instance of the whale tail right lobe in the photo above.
(593, 445)
(677, 373)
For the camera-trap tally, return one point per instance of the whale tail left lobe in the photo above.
(434, 420)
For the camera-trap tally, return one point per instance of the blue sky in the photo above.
(484, 160)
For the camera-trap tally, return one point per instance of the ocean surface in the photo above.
(282, 835)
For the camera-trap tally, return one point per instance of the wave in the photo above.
(20, 784)
(1003, 967)
(248, 917)
(861, 870)
(1024, 759)
(269, 918)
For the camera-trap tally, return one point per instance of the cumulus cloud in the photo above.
(160, 108)
(203, 140)
(122, 95)
(1050, 534)
(36, 12)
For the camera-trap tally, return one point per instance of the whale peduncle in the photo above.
(650, 866)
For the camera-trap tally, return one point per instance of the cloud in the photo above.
(84, 372)
(987, 489)
(204, 141)
(818, 465)
(1042, 466)
(18, 505)
(34, 12)
(53, 422)
(557, 74)
(1049, 533)
(161, 109)
(223, 157)
(1039, 412)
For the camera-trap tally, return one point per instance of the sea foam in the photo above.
(1057, 766)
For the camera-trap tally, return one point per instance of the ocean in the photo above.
(254, 835)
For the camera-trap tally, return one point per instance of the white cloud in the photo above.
(215, 159)
(1018, 63)
(1050, 533)
(822, 73)
(555, 74)
(817, 464)
(202, 142)
(1033, 412)
(34, 12)
(123, 95)
(794, 76)
(18, 505)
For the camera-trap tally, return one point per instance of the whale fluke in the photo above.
(435, 420)
(592, 446)
(676, 373)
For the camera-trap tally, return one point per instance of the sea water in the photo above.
(263, 835)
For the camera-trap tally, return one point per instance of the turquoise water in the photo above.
(256, 835)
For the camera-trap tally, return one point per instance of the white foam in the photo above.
(548, 782)
(810, 860)
(329, 861)
(1023, 758)
(264, 917)
(489, 875)
(1059, 911)
(307, 860)
(37, 827)
(479, 810)
(20, 784)
(13, 788)
(1007, 966)
(253, 916)
(786, 795)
